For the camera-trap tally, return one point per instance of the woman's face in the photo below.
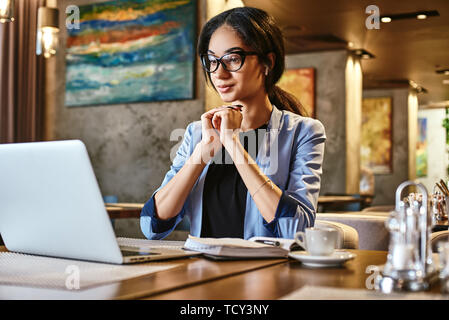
(242, 85)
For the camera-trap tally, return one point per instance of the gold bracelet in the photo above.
(268, 180)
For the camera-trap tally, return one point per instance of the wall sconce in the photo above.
(363, 54)
(47, 31)
(6, 11)
(417, 87)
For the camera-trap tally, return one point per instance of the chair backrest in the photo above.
(436, 237)
(373, 235)
(379, 209)
(348, 238)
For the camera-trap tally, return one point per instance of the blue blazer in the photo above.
(291, 156)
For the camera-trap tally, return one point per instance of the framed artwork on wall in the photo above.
(131, 51)
(376, 139)
(301, 83)
(421, 149)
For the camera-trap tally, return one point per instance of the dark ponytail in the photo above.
(286, 101)
(257, 30)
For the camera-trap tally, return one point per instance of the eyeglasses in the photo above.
(231, 62)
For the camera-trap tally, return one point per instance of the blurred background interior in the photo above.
(375, 73)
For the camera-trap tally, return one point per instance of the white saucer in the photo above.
(336, 259)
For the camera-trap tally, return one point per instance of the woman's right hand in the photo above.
(169, 200)
(210, 142)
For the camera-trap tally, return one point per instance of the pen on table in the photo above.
(270, 242)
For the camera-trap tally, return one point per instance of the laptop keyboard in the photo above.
(127, 253)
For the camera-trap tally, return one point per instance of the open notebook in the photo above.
(256, 247)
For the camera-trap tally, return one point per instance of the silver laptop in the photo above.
(51, 205)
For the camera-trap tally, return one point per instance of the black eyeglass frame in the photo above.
(242, 53)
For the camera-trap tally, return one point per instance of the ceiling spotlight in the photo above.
(350, 44)
(413, 84)
(421, 15)
(363, 54)
(443, 71)
(417, 87)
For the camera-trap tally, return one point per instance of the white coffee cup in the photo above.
(318, 241)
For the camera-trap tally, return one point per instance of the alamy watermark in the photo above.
(374, 271)
(373, 20)
(73, 17)
(72, 282)
(72, 20)
(260, 146)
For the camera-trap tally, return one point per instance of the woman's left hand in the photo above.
(227, 121)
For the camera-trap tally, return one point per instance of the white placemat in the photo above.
(36, 271)
(330, 293)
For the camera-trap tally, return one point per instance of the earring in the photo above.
(266, 70)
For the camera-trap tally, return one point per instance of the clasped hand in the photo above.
(218, 127)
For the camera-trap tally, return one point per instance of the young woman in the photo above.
(271, 191)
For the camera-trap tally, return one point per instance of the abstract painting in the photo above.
(131, 51)
(376, 140)
(301, 84)
(421, 148)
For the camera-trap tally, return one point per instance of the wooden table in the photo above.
(337, 202)
(190, 272)
(124, 210)
(199, 278)
(132, 210)
(279, 280)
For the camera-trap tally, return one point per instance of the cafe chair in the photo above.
(360, 202)
(437, 237)
(348, 238)
(373, 235)
(379, 209)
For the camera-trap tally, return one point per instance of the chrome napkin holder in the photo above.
(409, 265)
(439, 205)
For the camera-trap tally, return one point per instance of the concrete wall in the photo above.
(129, 144)
(386, 184)
(330, 110)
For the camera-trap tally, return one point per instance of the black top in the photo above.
(224, 194)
